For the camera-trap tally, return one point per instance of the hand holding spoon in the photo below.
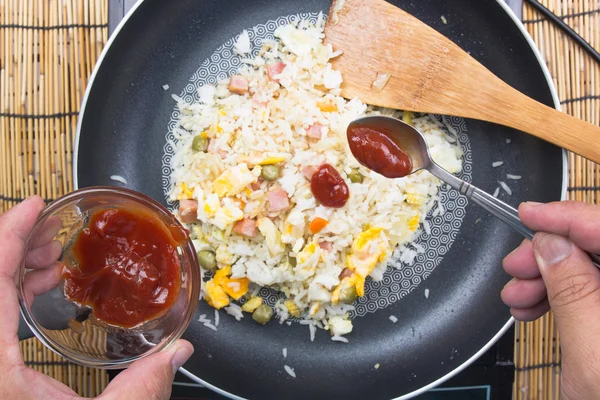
(395, 149)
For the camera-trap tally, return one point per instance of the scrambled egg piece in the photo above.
(215, 295)
(271, 160)
(221, 287)
(413, 223)
(369, 248)
(186, 192)
(228, 214)
(344, 284)
(272, 236)
(340, 325)
(233, 180)
(307, 260)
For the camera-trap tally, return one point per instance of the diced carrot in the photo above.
(317, 224)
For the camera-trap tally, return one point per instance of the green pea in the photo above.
(200, 144)
(348, 295)
(355, 177)
(262, 314)
(270, 172)
(207, 259)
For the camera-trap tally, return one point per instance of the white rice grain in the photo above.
(513, 177)
(242, 44)
(497, 164)
(313, 331)
(165, 87)
(284, 352)
(118, 178)
(210, 326)
(427, 227)
(505, 187)
(290, 371)
(337, 338)
(393, 318)
(426, 293)
(508, 141)
(235, 311)
(376, 366)
(217, 316)
(496, 192)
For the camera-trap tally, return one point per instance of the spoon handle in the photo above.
(496, 207)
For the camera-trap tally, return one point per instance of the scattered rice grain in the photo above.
(290, 371)
(505, 187)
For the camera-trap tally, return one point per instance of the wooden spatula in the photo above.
(429, 73)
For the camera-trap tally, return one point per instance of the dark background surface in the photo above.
(495, 368)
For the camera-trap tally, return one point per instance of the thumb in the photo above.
(150, 378)
(573, 286)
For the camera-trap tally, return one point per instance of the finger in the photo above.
(523, 293)
(521, 262)
(531, 313)
(15, 226)
(41, 281)
(573, 285)
(151, 377)
(43, 256)
(575, 220)
(46, 232)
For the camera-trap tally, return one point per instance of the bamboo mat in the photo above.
(577, 79)
(48, 49)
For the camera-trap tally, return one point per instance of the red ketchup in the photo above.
(375, 150)
(126, 267)
(328, 187)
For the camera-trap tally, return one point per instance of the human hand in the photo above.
(148, 378)
(553, 271)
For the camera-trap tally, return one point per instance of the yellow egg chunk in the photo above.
(236, 288)
(347, 282)
(413, 223)
(215, 295)
(233, 180)
(271, 160)
(369, 248)
(221, 276)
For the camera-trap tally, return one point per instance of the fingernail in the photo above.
(552, 249)
(182, 354)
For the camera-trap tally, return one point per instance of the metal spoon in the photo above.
(413, 143)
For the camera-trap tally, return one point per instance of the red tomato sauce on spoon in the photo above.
(375, 150)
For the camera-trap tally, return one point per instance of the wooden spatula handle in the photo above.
(525, 114)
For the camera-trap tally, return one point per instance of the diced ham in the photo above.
(257, 102)
(275, 69)
(278, 200)
(245, 227)
(327, 246)
(256, 184)
(308, 171)
(238, 84)
(315, 131)
(188, 210)
(346, 273)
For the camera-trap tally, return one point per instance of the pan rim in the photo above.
(505, 327)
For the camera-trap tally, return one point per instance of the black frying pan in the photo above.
(122, 131)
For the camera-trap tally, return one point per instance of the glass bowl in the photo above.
(71, 330)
